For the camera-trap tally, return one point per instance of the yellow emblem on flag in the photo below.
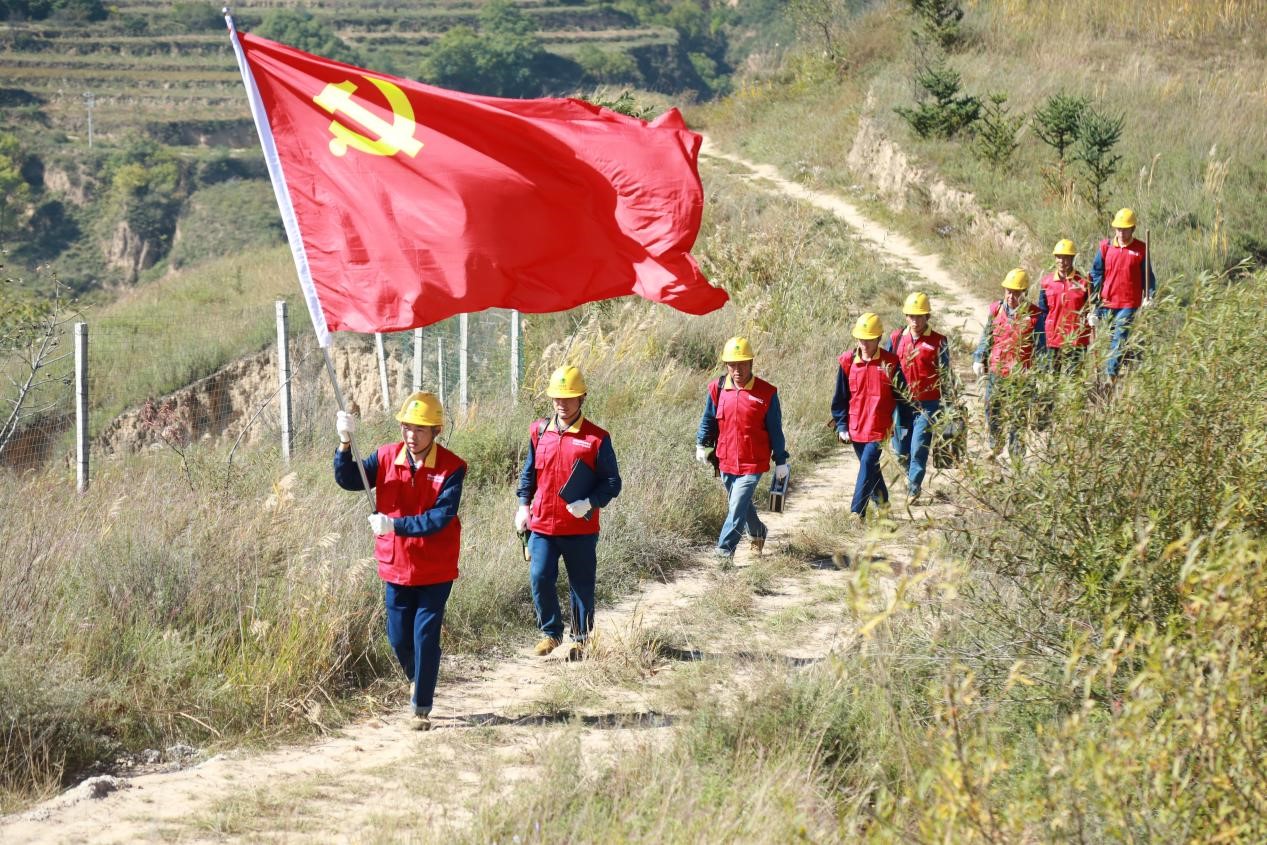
(394, 137)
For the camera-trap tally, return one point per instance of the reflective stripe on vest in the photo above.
(400, 491)
(1012, 338)
(554, 454)
(871, 399)
(1123, 274)
(1066, 323)
(920, 360)
(743, 444)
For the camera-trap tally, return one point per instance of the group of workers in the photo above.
(884, 386)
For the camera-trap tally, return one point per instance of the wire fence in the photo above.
(141, 391)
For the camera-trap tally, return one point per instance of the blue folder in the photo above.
(579, 484)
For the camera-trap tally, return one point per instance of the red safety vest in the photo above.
(401, 491)
(871, 397)
(1066, 323)
(1124, 282)
(919, 357)
(1011, 338)
(555, 454)
(743, 444)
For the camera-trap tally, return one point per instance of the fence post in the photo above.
(417, 360)
(81, 407)
(283, 380)
(514, 355)
(463, 338)
(382, 371)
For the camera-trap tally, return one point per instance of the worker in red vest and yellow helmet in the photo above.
(417, 489)
(1122, 282)
(568, 476)
(924, 356)
(1008, 343)
(743, 418)
(1063, 303)
(869, 388)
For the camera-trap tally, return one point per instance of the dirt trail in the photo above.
(497, 718)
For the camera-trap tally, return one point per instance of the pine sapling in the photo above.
(997, 131)
(1098, 134)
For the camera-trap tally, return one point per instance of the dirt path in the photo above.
(497, 719)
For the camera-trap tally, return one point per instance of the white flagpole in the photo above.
(291, 223)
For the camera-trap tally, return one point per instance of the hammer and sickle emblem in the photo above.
(394, 137)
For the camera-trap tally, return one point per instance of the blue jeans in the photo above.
(1121, 330)
(741, 515)
(912, 437)
(580, 556)
(870, 485)
(414, 616)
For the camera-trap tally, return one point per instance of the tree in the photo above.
(1056, 122)
(299, 28)
(997, 131)
(825, 21)
(1098, 134)
(937, 22)
(500, 59)
(948, 113)
(14, 189)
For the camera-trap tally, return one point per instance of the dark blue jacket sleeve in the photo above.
(774, 427)
(840, 401)
(345, 474)
(707, 433)
(983, 346)
(528, 476)
(1097, 275)
(901, 390)
(1040, 330)
(607, 483)
(438, 515)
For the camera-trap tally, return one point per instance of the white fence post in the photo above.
(514, 355)
(463, 339)
(283, 380)
(417, 360)
(382, 371)
(81, 407)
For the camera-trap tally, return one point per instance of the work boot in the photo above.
(576, 652)
(725, 560)
(422, 719)
(757, 543)
(545, 645)
(913, 497)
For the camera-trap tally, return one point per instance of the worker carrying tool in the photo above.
(869, 388)
(924, 356)
(1122, 282)
(568, 476)
(1006, 350)
(417, 489)
(1063, 310)
(743, 421)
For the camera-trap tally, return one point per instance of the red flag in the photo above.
(405, 204)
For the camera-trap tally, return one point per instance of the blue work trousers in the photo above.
(414, 616)
(912, 437)
(1003, 410)
(580, 556)
(741, 513)
(1119, 320)
(870, 485)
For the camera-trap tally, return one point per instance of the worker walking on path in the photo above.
(1063, 311)
(924, 356)
(568, 476)
(1006, 351)
(743, 420)
(417, 489)
(869, 388)
(1122, 282)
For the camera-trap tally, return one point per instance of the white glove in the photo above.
(579, 508)
(780, 472)
(701, 454)
(1092, 319)
(381, 524)
(843, 435)
(345, 424)
(1148, 300)
(521, 519)
(978, 369)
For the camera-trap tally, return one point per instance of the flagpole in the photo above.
(293, 236)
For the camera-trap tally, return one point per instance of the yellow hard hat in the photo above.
(1065, 247)
(868, 327)
(566, 383)
(737, 349)
(916, 304)
(1124, 219)
(1016, 279)
(421, 408)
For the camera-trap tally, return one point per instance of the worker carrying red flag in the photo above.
(405, 204)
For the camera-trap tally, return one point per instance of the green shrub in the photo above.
(996, 132)
(948, 113)
(1098, 135)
